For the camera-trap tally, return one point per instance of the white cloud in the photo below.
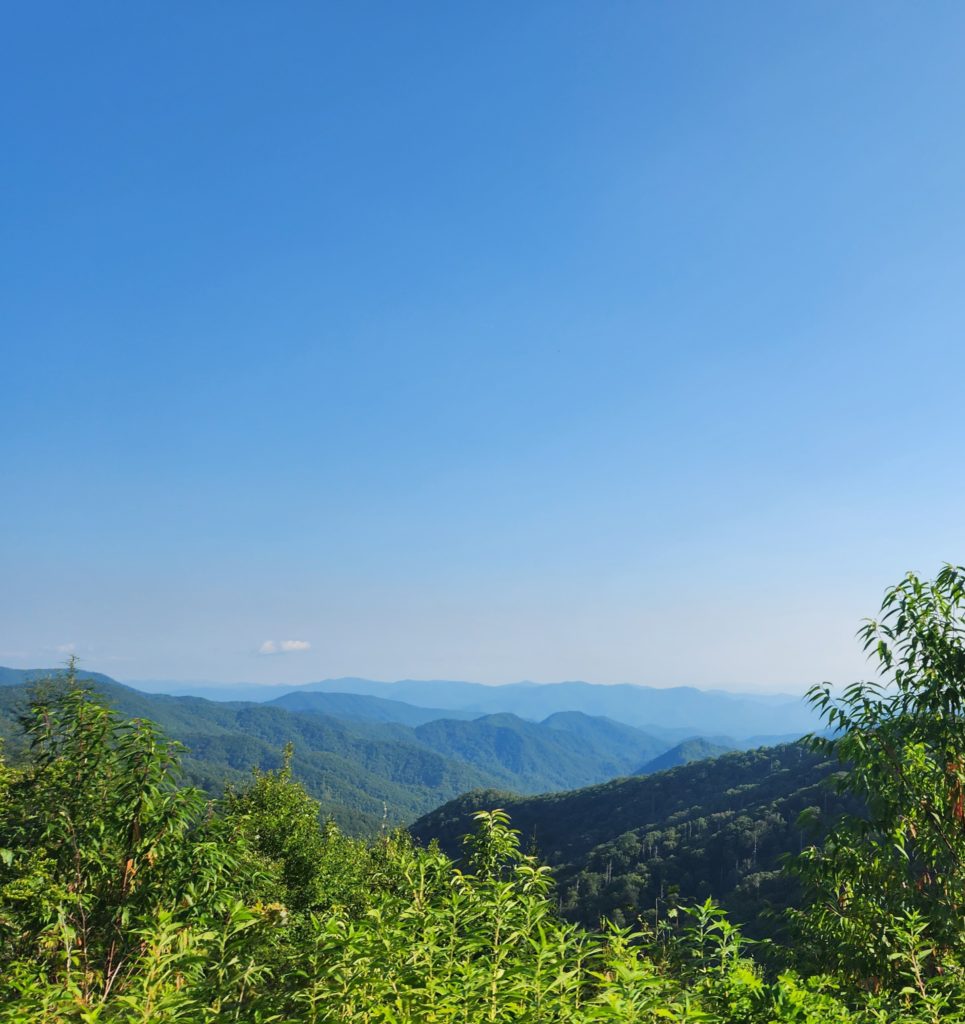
(283, 646)
(66, 648)
(295, 645)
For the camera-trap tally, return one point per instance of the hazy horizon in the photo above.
(480, 682)
(152, 683)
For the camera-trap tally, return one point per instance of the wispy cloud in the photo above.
(283, 646)
(66, 648)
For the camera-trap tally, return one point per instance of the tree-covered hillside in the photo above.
(542, 756)
(361, 773)
(715, 827)
(697, 748)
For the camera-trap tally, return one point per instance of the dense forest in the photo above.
(637, 846)
(127, 896)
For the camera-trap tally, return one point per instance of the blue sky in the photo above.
(548, 340)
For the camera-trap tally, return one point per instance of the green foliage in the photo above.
(888, 887)
(111, 871)
(314, 868)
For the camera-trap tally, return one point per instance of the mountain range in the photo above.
(371, 757)
(366, 759)
(628, 817)
(673, 712)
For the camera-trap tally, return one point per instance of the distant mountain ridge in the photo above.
(674, 713)
(20, 676)
(704, 712)
(364, 708)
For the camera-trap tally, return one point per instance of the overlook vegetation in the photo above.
(126, 896)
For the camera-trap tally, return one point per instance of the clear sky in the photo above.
(616, 341)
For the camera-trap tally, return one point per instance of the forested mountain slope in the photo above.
(567, 749)
(715, 827)
(606, 737)
(360, 773)
(697, 748)
(539, 757)
(364, 708)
